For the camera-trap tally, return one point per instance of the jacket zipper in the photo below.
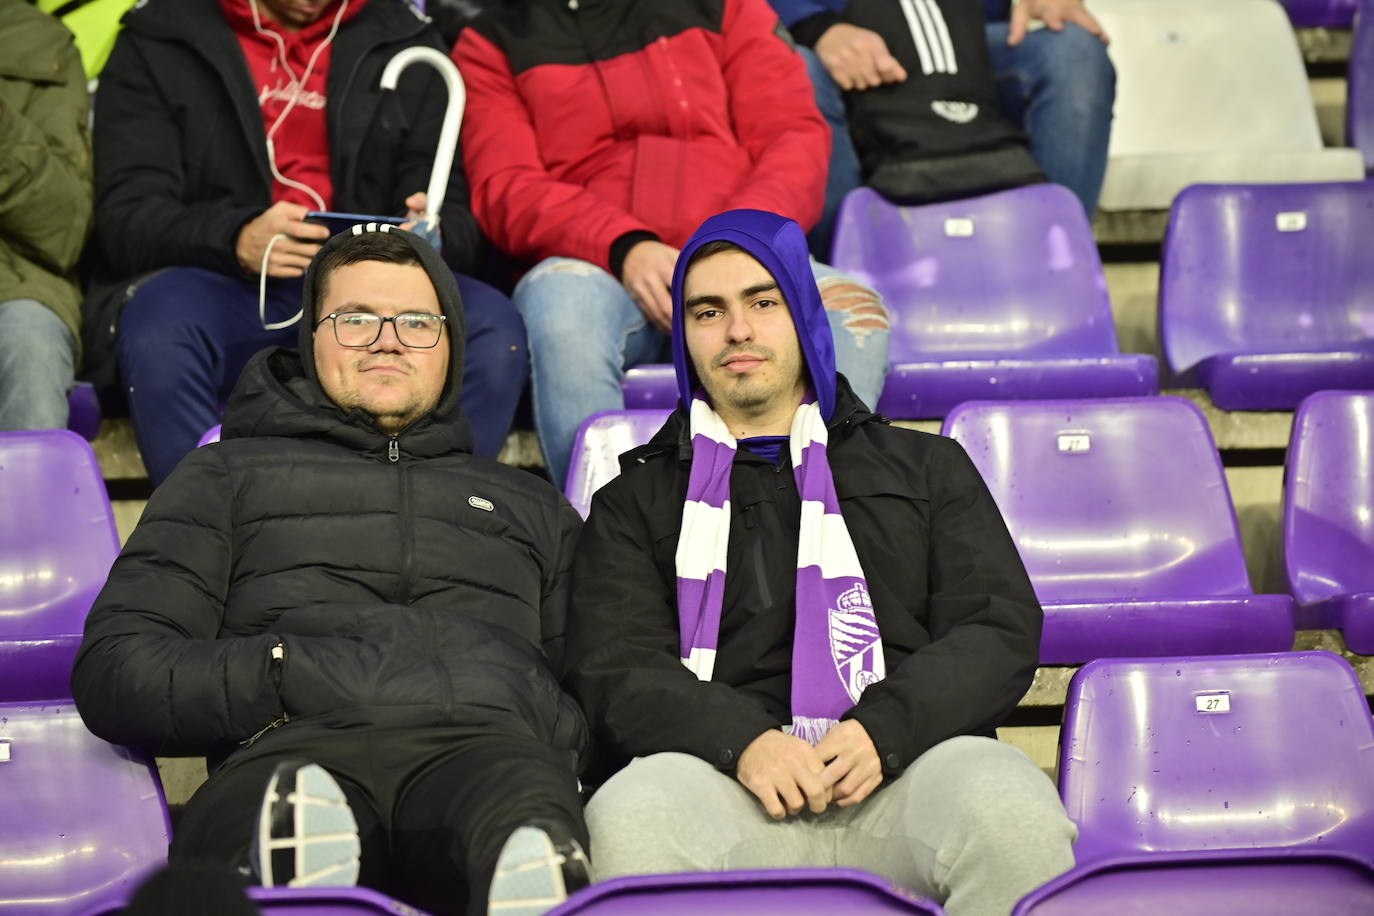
(406, 517)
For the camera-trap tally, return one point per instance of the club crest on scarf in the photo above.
(855, 643)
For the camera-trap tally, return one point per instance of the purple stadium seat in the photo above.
(1121, 513)
(1227, 752)
(57, 541)
(977, 311)
(211, 435)
(1281, 883)
(83, 820)
(779, 892)
(1000, 296)
(307, 901)
(1267, 291)
(327, 901)
(1328, 515)
(650, 387)
(602, 438)
(83, 411)
(1359, 104)
(1321, 14)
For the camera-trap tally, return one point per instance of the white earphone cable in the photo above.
(262, 291)
(299, 87)
(316, 199)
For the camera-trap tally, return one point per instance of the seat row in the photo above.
(1216, 785)
(1266, 295)
(1282, 739)
(1121, 512)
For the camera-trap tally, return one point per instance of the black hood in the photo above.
(279, 393)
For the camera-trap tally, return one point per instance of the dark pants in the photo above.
(433, 809)
(188, 332)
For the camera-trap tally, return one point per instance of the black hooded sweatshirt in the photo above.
(310, 572)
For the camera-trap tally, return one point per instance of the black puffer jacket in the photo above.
(425, 589)
(959, 620)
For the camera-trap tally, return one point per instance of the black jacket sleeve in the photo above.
(142, 221)
(623, 648)
(151, 671)
(985, 626)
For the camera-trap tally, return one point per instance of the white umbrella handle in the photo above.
(453, 117)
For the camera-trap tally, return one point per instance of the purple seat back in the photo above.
(1219, 752)
(83, 411)
(84, 821)
(600, 441)
(1120, 498)
(1014, 274)
(327, 901)
(1359, 105)
(57, 541)
(1206, 884)
(211, 435)
(1328, 503)
(1321, 14)
(778, 892)
(1267, 269)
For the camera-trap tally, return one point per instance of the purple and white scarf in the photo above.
(837, 650)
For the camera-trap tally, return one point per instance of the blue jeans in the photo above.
(1059, 87)
(37, 355)
(585, 331)
(1056, 86)
(845, 174)
(187, 333)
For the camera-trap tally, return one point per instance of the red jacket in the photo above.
(626, 116)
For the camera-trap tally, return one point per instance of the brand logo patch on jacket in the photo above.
(478, 502)
(958, 112)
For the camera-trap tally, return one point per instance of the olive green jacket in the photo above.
(45, 161)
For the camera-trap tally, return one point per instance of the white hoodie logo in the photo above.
(958, 112)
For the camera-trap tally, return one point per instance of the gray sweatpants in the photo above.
(972, 823)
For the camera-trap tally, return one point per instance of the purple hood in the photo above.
(779, 245)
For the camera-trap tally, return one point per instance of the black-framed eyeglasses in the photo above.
(420, 330)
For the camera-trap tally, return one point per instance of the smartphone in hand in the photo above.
(342, 222)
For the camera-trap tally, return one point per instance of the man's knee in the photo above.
(1077, 64)
(660, 786)
(862, 307)
(32, 334)
(987, 783)
(564, 300)
(668, 812)
(167, 311)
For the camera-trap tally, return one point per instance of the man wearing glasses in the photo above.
(357, 621)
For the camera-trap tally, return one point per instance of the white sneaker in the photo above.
(307, 836)
(534, 874)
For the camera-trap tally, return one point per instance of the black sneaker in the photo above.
(534, 874)
(306, 834)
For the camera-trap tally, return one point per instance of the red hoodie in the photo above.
(301, 143)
